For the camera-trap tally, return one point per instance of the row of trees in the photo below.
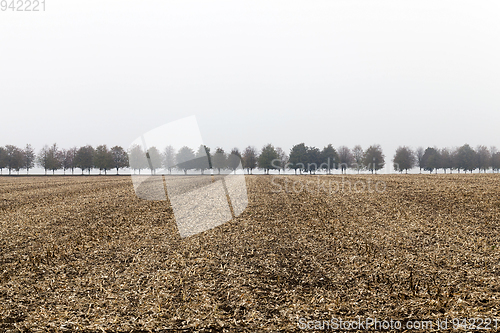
(462, 158)
(301, 158)
(51, 158)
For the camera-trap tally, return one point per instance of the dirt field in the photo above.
(86, 253)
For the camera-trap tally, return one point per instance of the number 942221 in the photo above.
(23, 5)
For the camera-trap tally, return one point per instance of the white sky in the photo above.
(342, 72)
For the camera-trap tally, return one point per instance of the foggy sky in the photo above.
(343, 72)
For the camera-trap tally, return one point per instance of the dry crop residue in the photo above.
(86, 253)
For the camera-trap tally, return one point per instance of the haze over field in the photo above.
(346, 73)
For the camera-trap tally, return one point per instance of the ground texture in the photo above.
(84, 253)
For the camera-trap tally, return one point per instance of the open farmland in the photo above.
(86, 253)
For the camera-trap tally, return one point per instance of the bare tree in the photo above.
(137, 158)
(169, 158)
(42, 159)
(358, 154)
(53, 158)
(283, 159)
(154, 159)
(29, 158)
(419, 153)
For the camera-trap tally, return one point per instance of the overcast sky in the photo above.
(419, 73)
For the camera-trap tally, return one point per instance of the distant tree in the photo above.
(298, 157)
(404, 159)
(249, 159)
(28, 158)
(431, 159)
(65, 160)
(346, 158)
(84, 158)
(3, 159)
(466, 158)
(42, 159)
(154, 158)
(374, 158)
(266, 157)
(234, 159)
(329, 158)
(54, 158)
(137, 158)
(119, 157)
(313, 157)
(103, 159)
(202, 159)
(419, 153)
(446, 159)
(454, 159)
(282, 161)
(483, 158)
(495, 161)
(219, 159)
(169, 158)
(68, 161)
(185, 159)
(14, 158)
(358, 154)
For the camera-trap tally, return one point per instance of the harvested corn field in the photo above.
(84, 253)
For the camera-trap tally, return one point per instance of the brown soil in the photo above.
(84, 253)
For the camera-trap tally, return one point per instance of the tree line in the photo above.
(52, 158)
(301, 158)
(463, 158)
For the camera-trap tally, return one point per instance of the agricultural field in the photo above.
(85, 253)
